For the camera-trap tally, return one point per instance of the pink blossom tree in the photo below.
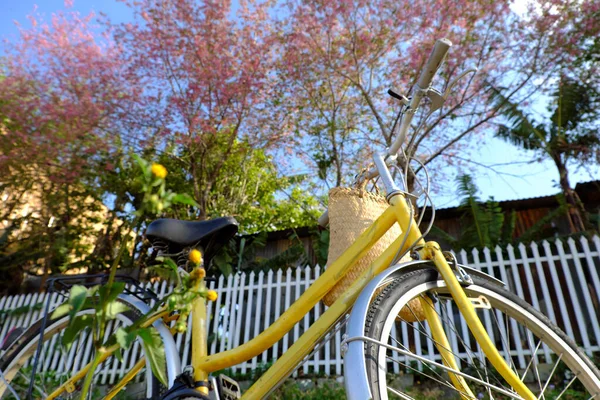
(205, 77)
(63, 97)
(342, 56)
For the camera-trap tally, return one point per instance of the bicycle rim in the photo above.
(550, 363)
(57, 364)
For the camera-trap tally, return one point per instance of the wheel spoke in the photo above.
(437, 344)
(533, 361)
(550, 377)
(9, 386)
(567, 387)
(57, 363)
(518, 331)
(444, 383)
(408, 366)
(400, 394)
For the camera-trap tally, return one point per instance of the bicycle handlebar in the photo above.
(418, 92)
(434, 62)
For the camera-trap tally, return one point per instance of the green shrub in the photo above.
(292, 391)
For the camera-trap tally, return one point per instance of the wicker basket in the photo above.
(351, 212)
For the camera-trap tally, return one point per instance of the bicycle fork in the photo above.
(431, 251)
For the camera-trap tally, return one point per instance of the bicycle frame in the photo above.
(397, 212)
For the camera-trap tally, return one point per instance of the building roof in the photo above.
(589, 192)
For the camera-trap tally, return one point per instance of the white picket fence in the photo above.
(560, 279)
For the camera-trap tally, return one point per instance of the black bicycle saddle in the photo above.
(210, 235)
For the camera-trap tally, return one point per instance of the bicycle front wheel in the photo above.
(548, 361)
(57, 364)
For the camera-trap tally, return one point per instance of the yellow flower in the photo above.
(198, 273)
(181, 326)
(211, 295)
(159, 171)
(195, 256)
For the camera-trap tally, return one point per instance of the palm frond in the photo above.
(519, 130)
(466, 189)
(574, 103)
(494, 222)
(445, 236)
(509, 227)
(536, 231)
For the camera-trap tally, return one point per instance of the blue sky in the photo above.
(517, 179)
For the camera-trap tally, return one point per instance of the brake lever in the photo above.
(458, 78)
(396, 94)
(435, 96)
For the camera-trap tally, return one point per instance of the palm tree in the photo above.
(570, 135)
(483, 224)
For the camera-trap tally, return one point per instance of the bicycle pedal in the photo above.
(227, 388)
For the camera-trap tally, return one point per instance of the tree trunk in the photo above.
(576, 212)
(198, 192)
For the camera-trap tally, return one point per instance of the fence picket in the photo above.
(298, 292)
(547, 299)
(316, 358)
(591, 267)
(529, 277)
(288, 297)
(338, 345)
(573, 295)
(235, 312)
(249, 314)
(257, 314)
(226, 313)
(486, 317)
(277, 308)
(267, 314)
(519, 287)
(307, 315)
(587, 298)
(561, 299)
(498, 319)
(248, 303)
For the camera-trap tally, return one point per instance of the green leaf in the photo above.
(93, 290)
(223, 262)
(109, 295)
(168, 262)
(119, 355)
(155, 352)
(443, 235)
(115, 308)
(165, 273)
(61, 310)
(77, 299)
(124, 338)
(184, 199)
(144, 166)
(76, 326)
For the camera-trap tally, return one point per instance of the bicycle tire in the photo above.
(20, 353)
(548, 341)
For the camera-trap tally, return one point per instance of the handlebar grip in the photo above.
(433, 63)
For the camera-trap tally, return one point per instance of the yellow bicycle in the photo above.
(478, 339)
